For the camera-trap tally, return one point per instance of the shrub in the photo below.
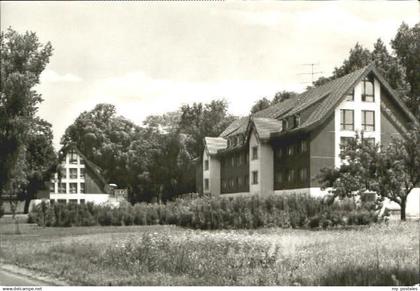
(296, 211)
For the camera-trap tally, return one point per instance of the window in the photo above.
(62, 188)
(290, 150)
(82, 172)
(206, 165)
(231, 183)
(73, 201)
(347, 119)
(52, 187)
(239, 181)
(368, 91)
(279, 153)
(246, 180)
(61, 201)
(224, 184)
(296, 121)
(81, 161)
(291, 175)
(52, 201)
(238, 160)
(73, 173)
(206, 184)
(255, 153)
(82, 201)
(350, 96)
(370, 141)
(73, 157)
(82, 188)
(303, 174)
(298, 148)
(254, 177)
(284, 124)
(73, 188)
(279, 177)
(344, 141)
(234, 141)
(368, 120)
(304, 146)
(63, 173)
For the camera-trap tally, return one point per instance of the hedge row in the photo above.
(296, 211)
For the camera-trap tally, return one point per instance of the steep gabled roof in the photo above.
(265, 126)
(92, 166)
(323, 100)
(236, 126)
(213, 144)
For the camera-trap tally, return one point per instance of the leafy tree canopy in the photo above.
(392, 171)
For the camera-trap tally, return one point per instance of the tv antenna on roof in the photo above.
(312, 73)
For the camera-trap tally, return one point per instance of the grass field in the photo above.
(168, 255)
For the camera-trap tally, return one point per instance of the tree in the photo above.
(401, 67)
(278, 97)
(283, 95)
(391, 172)
(200, 120)
(406, 45)
(23, 58)
(260, 105)
(41, 160)
(111, 142)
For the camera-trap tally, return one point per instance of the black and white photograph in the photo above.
(209, 144)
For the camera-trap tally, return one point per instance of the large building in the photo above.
(79, 180)
(283, 148)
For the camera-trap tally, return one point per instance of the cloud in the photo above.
(136, 95)
(51, 76)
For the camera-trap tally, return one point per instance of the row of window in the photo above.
(368, 92)
(73, 173)
(235, 182)
(292, 175)
(295, 120)
(235, 160)
(347, 120)
(72, 188)
(240, 159)
(292, 149)
(344, 140)
(281, 177)
(235, 140)
(74, 157)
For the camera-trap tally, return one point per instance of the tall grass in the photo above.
(379, 255)
(295, 211)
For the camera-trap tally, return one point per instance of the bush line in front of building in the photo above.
(295, 211)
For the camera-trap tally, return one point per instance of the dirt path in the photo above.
(11, 275)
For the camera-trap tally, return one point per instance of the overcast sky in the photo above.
(149, 57)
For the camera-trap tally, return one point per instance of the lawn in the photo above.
(168, 255)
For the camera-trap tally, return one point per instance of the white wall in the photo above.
(357, 106)
(254, 165)
(264, 165)
(206, 173)
(266, 159)
(95, 198)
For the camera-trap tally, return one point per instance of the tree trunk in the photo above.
(403, 206)
(26, 208)
(13, 206)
